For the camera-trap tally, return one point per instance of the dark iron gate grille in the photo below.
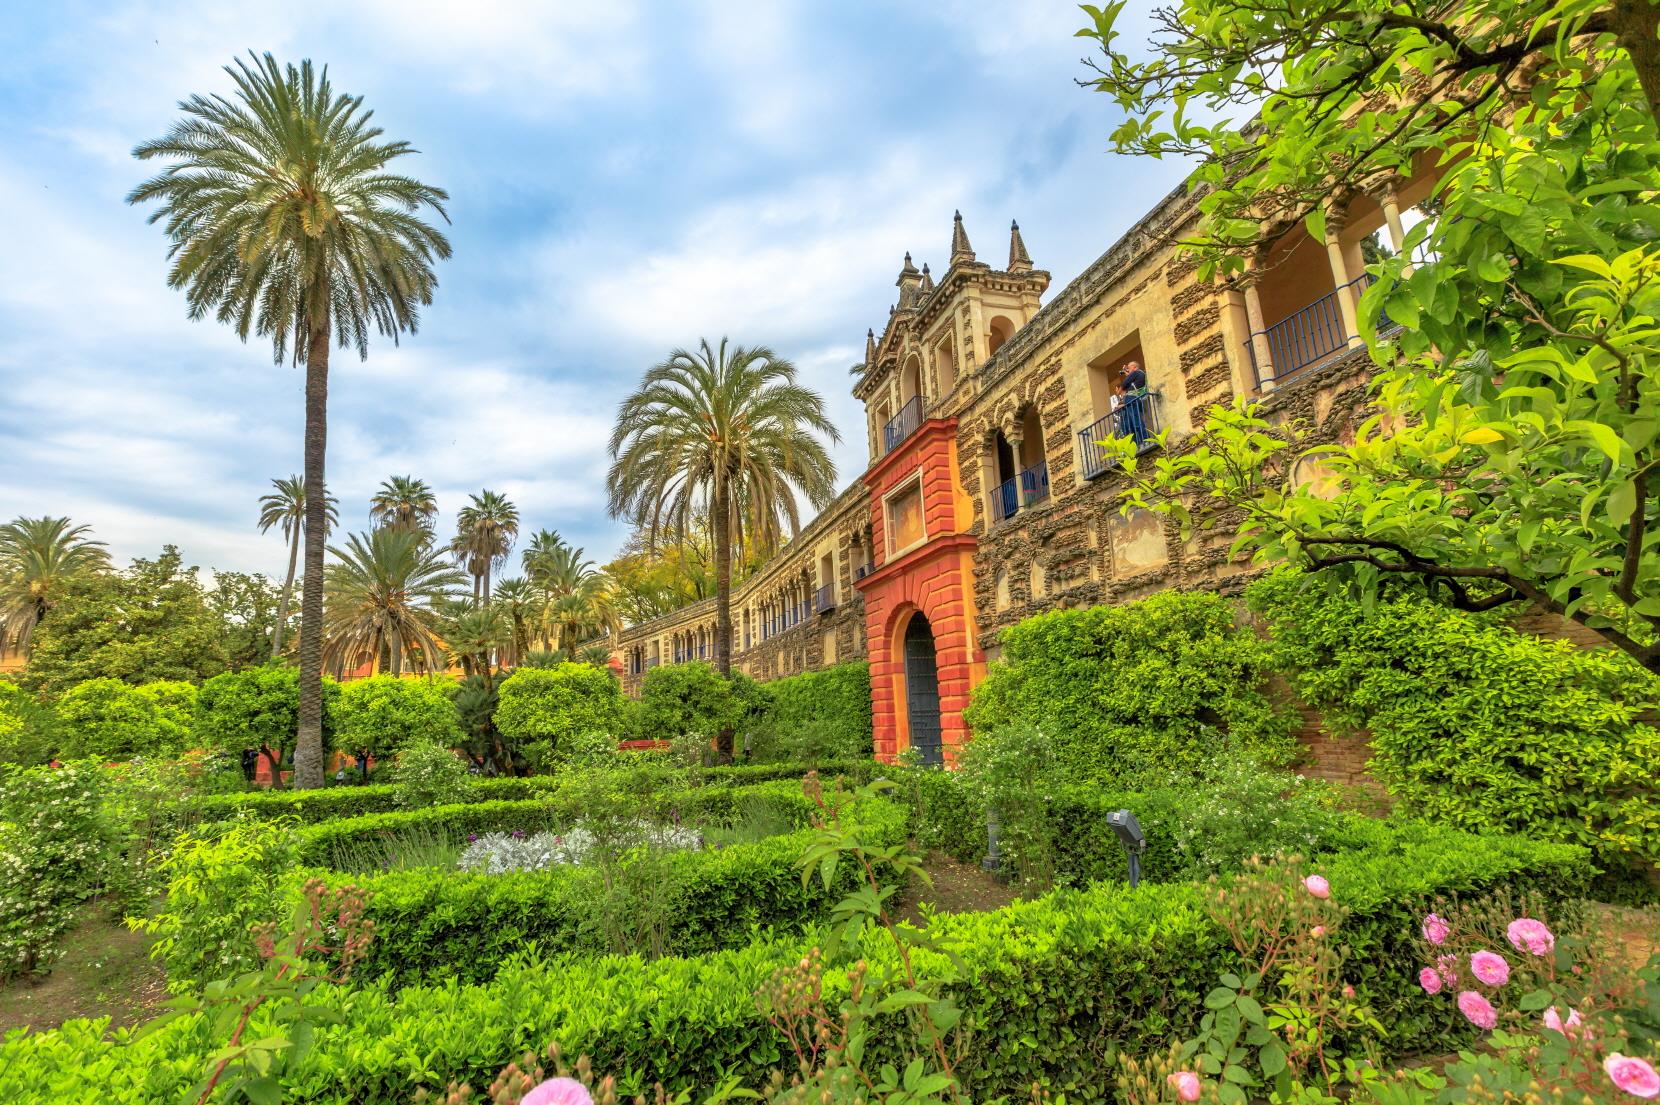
(922, 691)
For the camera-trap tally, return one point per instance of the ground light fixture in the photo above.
(993, 860)
(1129, 833)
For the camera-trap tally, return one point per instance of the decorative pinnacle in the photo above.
(927, 278)
(1019, 259)
(870, 347)
(961, 251)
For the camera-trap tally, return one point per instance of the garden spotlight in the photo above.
(1129, 833)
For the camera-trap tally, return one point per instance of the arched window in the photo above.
(998, 331)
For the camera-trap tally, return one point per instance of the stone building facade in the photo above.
(986, 498)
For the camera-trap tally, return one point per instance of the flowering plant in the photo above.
(497, 853)
(1560, 1008)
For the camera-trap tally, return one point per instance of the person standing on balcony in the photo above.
(1132, 420)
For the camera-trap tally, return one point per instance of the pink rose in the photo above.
(1318, 886)
(1528, 935)
(1429, 980)
(1448, 966)
(1317, 931)
(1477, 1009)
(1184, 1082)
(1436, 930)
(1635, 1076)
(1554, 1021)
(1490, 968)
(1349, 993)
(558, 1091)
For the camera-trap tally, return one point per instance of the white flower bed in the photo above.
(497, 853)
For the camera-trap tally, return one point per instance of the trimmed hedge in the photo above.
(1053, 987)
(1134, 690)
(435, 924)
(1478, 725)
(835, 701)
(313, 806)
(944, 815)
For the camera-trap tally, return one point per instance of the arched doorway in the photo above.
(922, 691)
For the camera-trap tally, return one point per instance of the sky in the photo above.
(624, 179)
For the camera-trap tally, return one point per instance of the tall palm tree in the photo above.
(726, 431)
(558, 570)
(588, 611)
(382, 593)
(521, 605)
(36, 556)
(406, 503)
(485, 531)
(286, 221)
(285, 507)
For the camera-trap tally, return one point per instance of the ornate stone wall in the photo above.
(979, 388)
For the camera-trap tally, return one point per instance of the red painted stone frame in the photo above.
(934, 577)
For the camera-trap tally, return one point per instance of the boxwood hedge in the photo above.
(435, 924)
(1052, 988)
(355, 801)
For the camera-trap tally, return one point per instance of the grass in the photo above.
(105, 971)
(414, 848)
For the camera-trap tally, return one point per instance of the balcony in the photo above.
(824, 599)
(902, 425)
(1028, 488)
(1310, 336)
(861, 571)
(652, 662)
(1138, 418)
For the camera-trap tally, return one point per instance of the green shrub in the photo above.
(258, 708)
(817, 715)
(1052, 988)
(108, 719)
(383, 714)
(1127, 691)
(312, 806)
(54, 844)
(1475, 724)
(28, 727)
(553, 707)
(433, 923)
(693, 699)
(1196, 825)
(218, 887)
(429, 774)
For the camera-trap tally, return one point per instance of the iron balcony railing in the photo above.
(1006, 499)
(1023, 490)
(1310, 336)
(825, 598)
(1034, 484)
(902, 425)
(652, 662)
(1138, 419)
(861, 571)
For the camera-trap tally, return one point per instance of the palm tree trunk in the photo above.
(287, 592)
(394, 647)
(308, 747)
(720, 516)
(484, 587)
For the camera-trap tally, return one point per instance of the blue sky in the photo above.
(624, 179)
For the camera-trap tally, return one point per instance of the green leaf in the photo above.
(263, 1091)
(1272, 1059)
(1220, 998)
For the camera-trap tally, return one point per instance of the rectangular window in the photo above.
(905, 525)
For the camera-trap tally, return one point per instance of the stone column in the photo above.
(1336, 221)
(1392, 219)
(1258, 336)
